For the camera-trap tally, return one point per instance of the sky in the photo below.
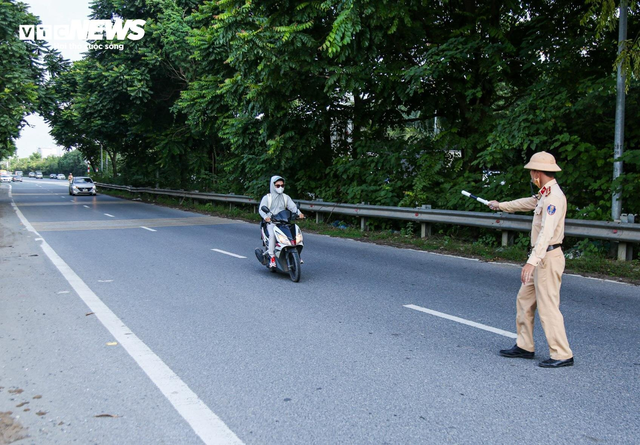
(52, 12)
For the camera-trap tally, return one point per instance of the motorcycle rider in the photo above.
(276, 201)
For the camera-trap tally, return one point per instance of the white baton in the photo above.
(484, 201)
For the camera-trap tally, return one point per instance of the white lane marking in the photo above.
(146, 228)
(519, 266)
(111, 216)
(444, 254)
(599, 279)
(105, 281)
(209, 427)
(228, 253)
(86, 207)
(461, 320)
(63, 292)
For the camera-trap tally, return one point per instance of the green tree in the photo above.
(605, 14)
(72, 162)
(121, 101)
(20, 73)
(342, 98)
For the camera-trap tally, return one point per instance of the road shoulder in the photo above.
(63, 377)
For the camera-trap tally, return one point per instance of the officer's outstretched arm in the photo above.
(518, 205)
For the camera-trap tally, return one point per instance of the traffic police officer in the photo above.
(542, 275)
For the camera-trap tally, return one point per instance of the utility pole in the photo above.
(618, 149)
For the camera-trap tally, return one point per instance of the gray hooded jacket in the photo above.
(279, 201)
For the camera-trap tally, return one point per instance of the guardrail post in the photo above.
(363, 220)
(632, 220)
(425, 228)
(507, 238)
(319, 216)
(625, 252)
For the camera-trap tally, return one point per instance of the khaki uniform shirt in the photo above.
(549, 210)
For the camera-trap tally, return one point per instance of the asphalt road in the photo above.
(211, 347)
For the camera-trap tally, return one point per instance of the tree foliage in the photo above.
(70, 162)
(392, 103)
(605, 13)
(20, 73)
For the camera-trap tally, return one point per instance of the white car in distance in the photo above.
(82, 185)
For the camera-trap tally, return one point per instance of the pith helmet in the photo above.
(544, 162)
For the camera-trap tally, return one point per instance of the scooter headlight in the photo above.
(282, 239)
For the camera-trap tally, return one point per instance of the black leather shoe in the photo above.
(516, 352)
(551, 363)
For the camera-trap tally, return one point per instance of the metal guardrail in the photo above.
(507, 223)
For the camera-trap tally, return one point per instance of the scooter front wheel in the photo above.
(293, 258)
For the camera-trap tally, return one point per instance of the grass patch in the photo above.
(590, 261)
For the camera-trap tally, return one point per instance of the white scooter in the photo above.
(289, 244)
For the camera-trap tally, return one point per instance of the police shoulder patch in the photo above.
(551, 209)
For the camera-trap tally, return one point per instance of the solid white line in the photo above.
(86, 207)
(146, 228)
(599, 279)
(461, 320)
(111, 216)
(228, 253)
(209, 427)
(444, 254)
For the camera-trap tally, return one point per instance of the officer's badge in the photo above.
(551, 209)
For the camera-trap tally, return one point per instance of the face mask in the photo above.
(280, 189)
(536, 182)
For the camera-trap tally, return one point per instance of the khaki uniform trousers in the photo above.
(543, 293)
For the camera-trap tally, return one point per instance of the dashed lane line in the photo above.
(147, 228)
(103, 224)
(484, 327)
(71, 203)
(228, 253)
(38, 194)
